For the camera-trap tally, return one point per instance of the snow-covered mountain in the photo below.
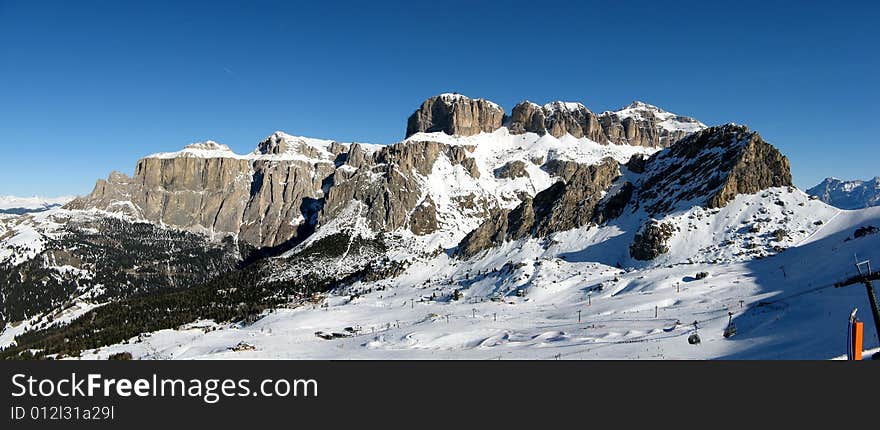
(552, 232)
(569, 300)
(848, 194)
(20, 205)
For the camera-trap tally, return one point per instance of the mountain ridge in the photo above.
(265, 186)
(15, 205)
(855, 194)
(453, 215)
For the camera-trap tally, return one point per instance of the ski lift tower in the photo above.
(866, 277)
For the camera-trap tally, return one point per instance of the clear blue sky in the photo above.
(87, 87)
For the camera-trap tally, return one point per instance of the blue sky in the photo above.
(89, 87)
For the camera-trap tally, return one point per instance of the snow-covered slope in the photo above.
(570, 301)
(848, 194)
(23, 237)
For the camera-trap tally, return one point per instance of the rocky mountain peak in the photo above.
(555, 118)
(455, 114)
(559, 105)
(711, 167)
(276, 143)
(206, 149)
(708, 168)
(637, 124)
(207, 145)
(280, 145)
(640, 105)
(290, 186)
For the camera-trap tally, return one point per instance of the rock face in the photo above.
(264, 198)
(711, 167)
(638, 124)
(387, 183)
(848, 194)
(641, 124)
(556, 119)
(455, 114)
(567, 204)
(423, 219)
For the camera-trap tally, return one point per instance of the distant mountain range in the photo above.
(22, 205)
(855, 194)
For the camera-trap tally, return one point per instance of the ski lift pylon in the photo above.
(730, 330)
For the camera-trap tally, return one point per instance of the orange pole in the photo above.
(858, 335)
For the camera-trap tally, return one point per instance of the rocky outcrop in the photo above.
(567, 204)
(556, 119)
(387, 183)
(614, 202)
(636, 163)
(511, 170)
(638, 124)
(423, 219)
(650, 242)
(710, 168)
(641, 124)
(455, 114)
(265, 198)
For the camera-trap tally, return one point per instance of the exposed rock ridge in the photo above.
(710, 168)
(638, 124)
(265, 201)
(455, 114)
(389, 182)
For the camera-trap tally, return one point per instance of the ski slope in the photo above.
(783, 304)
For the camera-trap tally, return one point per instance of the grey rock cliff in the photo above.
(385, 182)
(455, 114)
(637, 124)
(556, 119)
(264, 201)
